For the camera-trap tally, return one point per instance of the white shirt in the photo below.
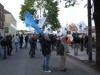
(16, 39)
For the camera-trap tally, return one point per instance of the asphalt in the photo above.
(21, 64)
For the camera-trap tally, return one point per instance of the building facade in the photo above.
(10, 24)
(2, 19)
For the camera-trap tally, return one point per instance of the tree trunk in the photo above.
(97, 26)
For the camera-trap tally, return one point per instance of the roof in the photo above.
(6, 12)
(1, 6)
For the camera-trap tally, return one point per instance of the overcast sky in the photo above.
(66, 15)
(73, 14)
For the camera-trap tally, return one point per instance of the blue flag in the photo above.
(31, 22)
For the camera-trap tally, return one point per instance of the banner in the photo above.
(41, 22)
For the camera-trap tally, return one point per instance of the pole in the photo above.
(89, 31)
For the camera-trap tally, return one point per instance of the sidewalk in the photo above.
(82, 54)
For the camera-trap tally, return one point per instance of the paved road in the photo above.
(21, 64)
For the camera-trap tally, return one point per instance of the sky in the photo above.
(66, 15)
(73, 14)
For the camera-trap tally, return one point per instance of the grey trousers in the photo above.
(62, 63)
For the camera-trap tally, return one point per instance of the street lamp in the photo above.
(89, 31)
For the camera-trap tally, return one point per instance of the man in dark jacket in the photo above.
(21, 41)
(32, 42)
(76, 41)
(86, 44)
(9, 44)
(26, 40)
(82, 42)
(46, 51)
(3, 46)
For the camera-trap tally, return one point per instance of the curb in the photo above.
(87, 63)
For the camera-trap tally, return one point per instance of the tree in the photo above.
(52, 14)
(70, 3)
(25, 8)
(50, 11)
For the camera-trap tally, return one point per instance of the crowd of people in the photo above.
(48, 42)
(6, 44)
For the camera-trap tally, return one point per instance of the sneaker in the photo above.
(64, 69)
(48, 71)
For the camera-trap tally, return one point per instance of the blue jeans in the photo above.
(4, 56)
(26, 44)
(46, 62)
(16, 46)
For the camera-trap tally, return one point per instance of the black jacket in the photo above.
(76, 40)
(26, 38)
(3, 42)
(46, 47)
(32, 42)
(60, 49)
